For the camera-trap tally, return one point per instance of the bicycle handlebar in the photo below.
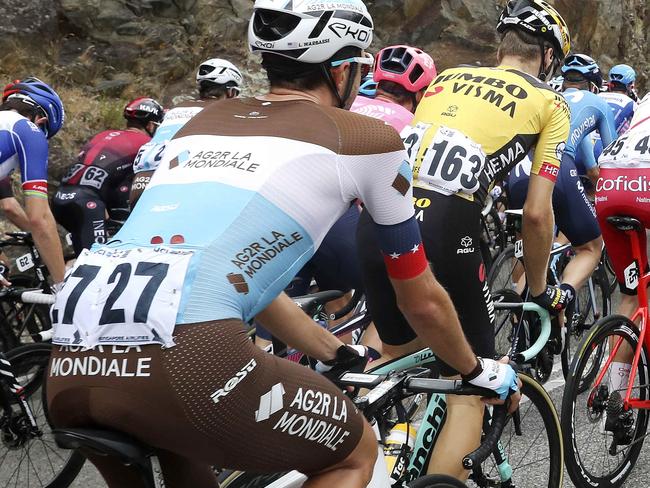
(37, 297)
(482, 452)
(385, 387)
(545, 333)
(348, 307)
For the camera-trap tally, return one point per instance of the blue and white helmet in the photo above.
(585, 65)
(34, 92)
(306, 31)
(623, 74)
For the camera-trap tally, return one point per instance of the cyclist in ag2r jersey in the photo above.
(30, 114)
(97, 187)
(269, 185)
(217, 79)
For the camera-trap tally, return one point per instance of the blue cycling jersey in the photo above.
(589, 112)
(23, 145)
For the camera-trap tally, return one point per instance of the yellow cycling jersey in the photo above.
(475, 124)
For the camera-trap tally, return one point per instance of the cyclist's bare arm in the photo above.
(46, 237)
(291, 325)
(429, 310)
(15, 213)
(537, 232)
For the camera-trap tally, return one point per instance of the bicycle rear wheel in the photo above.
(506, 270)
(592, 458)
(32, 460)
(534, 458)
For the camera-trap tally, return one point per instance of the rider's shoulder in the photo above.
(360, 134)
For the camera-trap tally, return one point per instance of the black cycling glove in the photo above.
(554, 299)
(348, 359)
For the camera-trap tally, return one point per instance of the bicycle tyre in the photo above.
(500, 274)
(493, 239)
(541, 400)
(574, 336)
(436, 481)
(614, 325)
(22, 359)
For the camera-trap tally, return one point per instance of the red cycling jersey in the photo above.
(624, 189)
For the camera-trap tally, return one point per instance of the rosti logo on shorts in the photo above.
(124, 188)
(91, 205)
(559, 150)
(435, 91)
(234, 381)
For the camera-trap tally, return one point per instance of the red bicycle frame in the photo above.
(641, 314)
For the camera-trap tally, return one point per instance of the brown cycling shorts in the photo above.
(214, 399)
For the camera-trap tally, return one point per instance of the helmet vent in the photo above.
(270, 25)
(320, 25)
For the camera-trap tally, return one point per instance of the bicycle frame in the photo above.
(432, 420)
(641, 314)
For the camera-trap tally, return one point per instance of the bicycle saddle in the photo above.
(311, 303)
(105, 443)
(622, 222)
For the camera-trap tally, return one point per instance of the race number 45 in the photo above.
(452, 163)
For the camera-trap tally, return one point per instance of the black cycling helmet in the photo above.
(144, 110)
(539, 19)
(580, 66)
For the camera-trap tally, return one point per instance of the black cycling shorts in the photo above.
(214, 399)
(575, 216)
(82, 212)
(451, 229)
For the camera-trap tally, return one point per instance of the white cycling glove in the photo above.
(494, 376)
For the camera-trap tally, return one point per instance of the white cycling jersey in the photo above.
(631, 150)
(151, 154)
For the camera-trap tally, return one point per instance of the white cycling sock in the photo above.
(619, 377)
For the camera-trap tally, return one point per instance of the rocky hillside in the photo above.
(99, 53)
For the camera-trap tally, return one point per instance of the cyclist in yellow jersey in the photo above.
(472, 126)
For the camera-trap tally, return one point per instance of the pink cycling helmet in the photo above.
(407, 66)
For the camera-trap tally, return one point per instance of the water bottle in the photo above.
(399, 443)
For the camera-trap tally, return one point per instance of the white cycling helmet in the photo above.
(307, 31)
(220, 72)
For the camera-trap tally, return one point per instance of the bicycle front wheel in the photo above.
(593, 457)
(32, 459)
(530, 453)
